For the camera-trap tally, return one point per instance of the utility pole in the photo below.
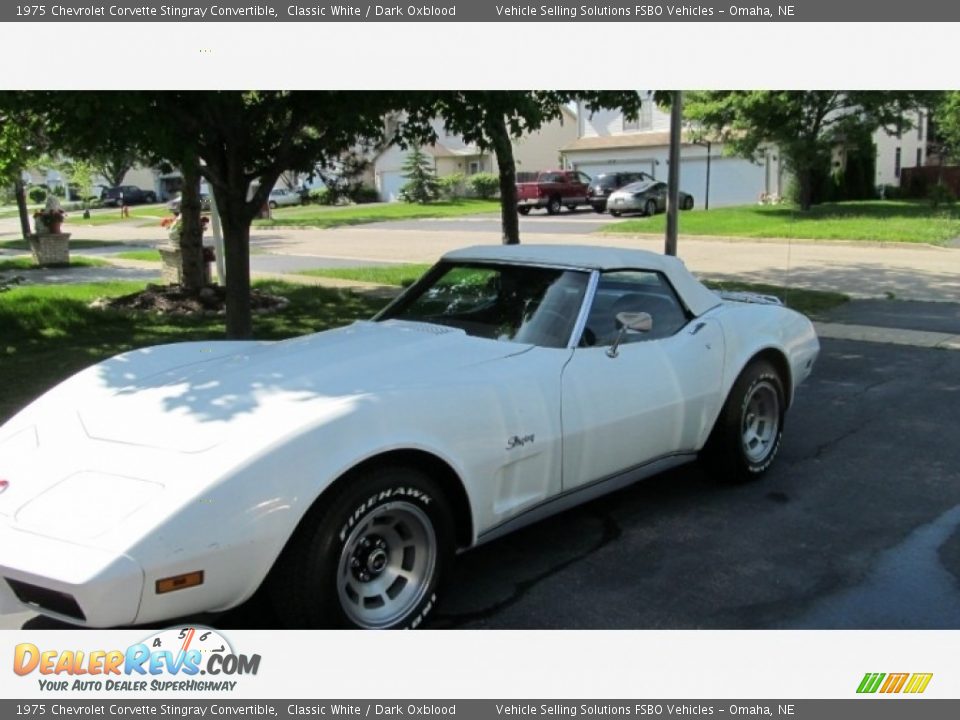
(673, 175)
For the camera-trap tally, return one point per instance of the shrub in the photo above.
(890, 192)
(321, 196)
(365, 194)
(37, 194)
(452, 186)
(939, 194)
(484, 185)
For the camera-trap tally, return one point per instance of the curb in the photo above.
(889, 336)
(891, 245)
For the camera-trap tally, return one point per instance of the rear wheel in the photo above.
(650, 208)
(615, 213)
(747, 436)
(370, 557)
(687, 203)
(524, 210)
(272, 205)
(553, 206)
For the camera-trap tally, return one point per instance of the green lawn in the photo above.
(147, 214)
(24, 263)
(400, 274)
(809, 302)
(880, 220)
(74, 244)
(328, 217)
(48, 332)
(144, 255)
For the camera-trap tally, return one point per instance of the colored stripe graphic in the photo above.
(918, 682)
(870, 682)
(895, 682)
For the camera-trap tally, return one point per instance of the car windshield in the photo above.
(515, 303)
(606, 181)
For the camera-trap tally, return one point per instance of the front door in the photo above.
(653, 398)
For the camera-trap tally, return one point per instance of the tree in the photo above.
(114, 164)
(22, 140)
(946, 118)
(244, 141)
(805, 126)
(422, 185)
(492, 119)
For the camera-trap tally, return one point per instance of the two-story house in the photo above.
(608, 142)
(450, 154)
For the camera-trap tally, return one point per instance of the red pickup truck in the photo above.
(552, 190)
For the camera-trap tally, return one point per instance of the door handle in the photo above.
(698, 327)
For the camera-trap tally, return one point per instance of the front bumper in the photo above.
(71, 582)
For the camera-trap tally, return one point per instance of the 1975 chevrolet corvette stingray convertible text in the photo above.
(343, 469)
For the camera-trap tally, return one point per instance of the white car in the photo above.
(345, 468)
(279, 197)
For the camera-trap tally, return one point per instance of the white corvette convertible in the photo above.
(344, 469)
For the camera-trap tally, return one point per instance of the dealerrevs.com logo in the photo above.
(894, 683)
(171, 660)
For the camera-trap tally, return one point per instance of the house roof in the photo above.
(627, 140)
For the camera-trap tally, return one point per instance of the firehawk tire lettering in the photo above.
(311, 584)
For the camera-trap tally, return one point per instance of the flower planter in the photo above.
(170, 272)
(50, 248)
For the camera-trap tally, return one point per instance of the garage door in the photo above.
(389, 183)
(733, 181)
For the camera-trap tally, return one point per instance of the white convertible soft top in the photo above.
(695, 296)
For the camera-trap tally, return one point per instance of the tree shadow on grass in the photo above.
(45, 337)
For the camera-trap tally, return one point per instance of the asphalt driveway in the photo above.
(856, 526)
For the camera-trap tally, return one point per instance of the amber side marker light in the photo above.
(180, 582)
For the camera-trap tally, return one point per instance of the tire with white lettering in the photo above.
(746, 438)
(371, 556)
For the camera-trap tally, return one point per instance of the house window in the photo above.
(919, 157)
(896, 163)
(474, 167)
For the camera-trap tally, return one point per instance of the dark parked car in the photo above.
(174, 204)
(127, 195)
(605, 183)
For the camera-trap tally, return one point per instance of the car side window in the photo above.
(632, 291)
(582, 177)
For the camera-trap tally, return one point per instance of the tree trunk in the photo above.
(236, 242)
(805, 180)
(191, 236)
(500, 139)
(21, 196)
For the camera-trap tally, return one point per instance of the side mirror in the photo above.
(630, 322)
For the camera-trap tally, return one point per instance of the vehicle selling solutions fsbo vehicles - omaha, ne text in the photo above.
(344, 468)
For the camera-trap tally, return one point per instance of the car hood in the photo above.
(190, 397)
